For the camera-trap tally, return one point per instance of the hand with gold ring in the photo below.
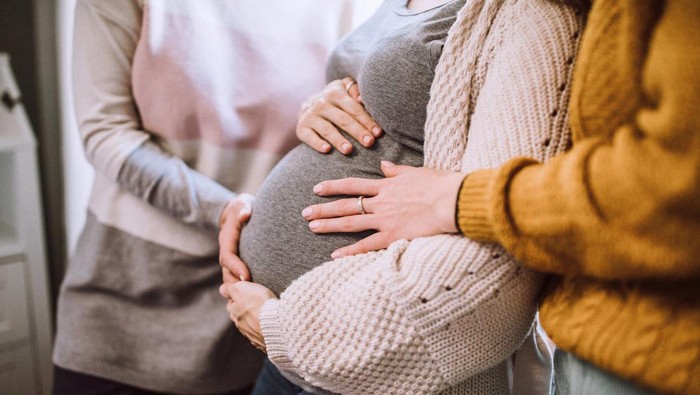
(338, 108)
(410, 202)
(245, 301)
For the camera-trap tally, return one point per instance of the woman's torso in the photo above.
(392, 56)
(194, 84)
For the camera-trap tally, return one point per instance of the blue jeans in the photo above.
(272, 382)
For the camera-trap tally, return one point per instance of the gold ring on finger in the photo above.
(360, 206)
(349, 85)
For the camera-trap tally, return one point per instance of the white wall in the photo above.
(77, 173)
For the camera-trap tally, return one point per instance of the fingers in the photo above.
(327, 131)
(239, 268)
(337, 108)
(348, 186)
(310, 138)
(338, 208)
(392, 170)
(352, 88)
(374, 242)
(246, 207)
(356, 108)
(236, 213)
(228, 278)
(230, 261)
(350, 224)
(348, 122)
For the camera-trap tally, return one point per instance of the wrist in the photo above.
(447, 206)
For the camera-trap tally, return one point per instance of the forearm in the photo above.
(618, 207)
(106, 38)
(439, 302)
(167, 183)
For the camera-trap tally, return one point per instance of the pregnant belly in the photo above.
(276, 243)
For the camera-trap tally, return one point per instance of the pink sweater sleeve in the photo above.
(106, 36)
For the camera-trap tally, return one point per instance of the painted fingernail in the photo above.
(345, 147)
(386, 163)
(376, 131)
(367, 139)
(314, 224)
(335, 255)
(318, 188)
(306, 213)
(325, 147)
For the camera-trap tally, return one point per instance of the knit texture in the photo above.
(617, 217)
(442, 314)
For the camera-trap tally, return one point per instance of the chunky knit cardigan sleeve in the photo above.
(445, 312)
(624, 203)
(106, 37)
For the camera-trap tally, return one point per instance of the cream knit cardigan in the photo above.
(444, 313)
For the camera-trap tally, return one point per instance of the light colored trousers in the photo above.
(574, 376)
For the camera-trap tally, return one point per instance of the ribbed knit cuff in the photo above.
(474, 206)
(274, 335)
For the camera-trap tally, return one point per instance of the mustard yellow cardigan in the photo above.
(616, 219)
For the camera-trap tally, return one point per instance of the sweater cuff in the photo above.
(474, 206)
(275, 341)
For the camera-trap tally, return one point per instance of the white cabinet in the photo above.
(25, 321)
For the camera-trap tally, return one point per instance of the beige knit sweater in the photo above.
(442, 313)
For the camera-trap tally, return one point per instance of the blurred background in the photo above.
(44, 185)
(37, 35)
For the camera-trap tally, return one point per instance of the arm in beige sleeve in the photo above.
(106, 37)
(439, 311)
(624, 207)
(419, 317)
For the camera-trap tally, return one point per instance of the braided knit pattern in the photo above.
(442, 314)
(454, 85)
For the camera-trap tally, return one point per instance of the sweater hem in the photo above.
(275, 341)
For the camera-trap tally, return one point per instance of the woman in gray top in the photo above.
(392, 57)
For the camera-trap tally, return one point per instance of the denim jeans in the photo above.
(272, 382)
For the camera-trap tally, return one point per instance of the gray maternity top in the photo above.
(392, 56)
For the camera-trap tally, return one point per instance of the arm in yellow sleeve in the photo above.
(625, 206)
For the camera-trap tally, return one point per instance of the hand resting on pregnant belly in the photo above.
(277, 244)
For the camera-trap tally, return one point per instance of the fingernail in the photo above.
(306, 213)
(244, 210)
(241, 277)
(345, 147)
(386, 163)
(376, 131)
(335, 255)
(318, 188)
(314, 224)
(325, 147)
(367, 139)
